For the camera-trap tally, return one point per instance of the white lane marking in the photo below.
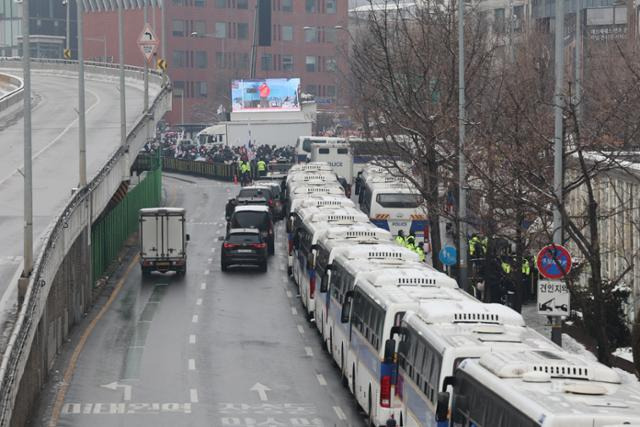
(339, 413)
(203, 286)
(199, 301)
(294, 311)
(300, 329)
(193, 394)
(321, 379)
(56, 139)
(309, 351)
(289, 294)
(213, 250)
(206, 272)
(283, 268)
(285, 280)
(210, 260)
(192, 339)
(194, 319)
(192, 364)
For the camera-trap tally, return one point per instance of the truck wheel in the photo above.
(272, 249)
(223, 266)
(263, 267)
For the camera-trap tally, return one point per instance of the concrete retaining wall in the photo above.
(15, 95)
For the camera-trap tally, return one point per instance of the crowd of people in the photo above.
(171, 145)
(410, 243)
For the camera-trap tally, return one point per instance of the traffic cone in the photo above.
(235, 179)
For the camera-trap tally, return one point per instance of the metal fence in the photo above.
(110, 232)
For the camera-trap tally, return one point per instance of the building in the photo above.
(208, 44)
(47, 25)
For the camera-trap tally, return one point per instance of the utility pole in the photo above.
(28, 176)
(578, 59)
(68, 44)
(123, 108)
(82, 142)
(556, 329)
(462, 167)
(146, 64)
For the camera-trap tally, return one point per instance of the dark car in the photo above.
(277, 200)
(244, 246)
(255, 195)
(255, 216)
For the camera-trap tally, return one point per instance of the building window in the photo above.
(498, 20)
(330, 35)
(243, 4)
(220, 60)
(199, 3)
(287, 62)
(310, 6)
(312, 89)
(330, 64)
(201, 59)
(310, 63)
(330, 6)
(287, 5)
(221, 4)
(178, 88)
(178, 28)
(202, 89)
(200, 27)
(331, 91)
(221, 30)
(311, 35)
(266, 64)
(243, 30)
(179, 58)
(287, 33)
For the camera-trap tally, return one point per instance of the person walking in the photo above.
(262, 167)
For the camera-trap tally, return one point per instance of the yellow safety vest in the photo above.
(400, 240)
(420, 253)
(506, 267)
(262, 166)
(526, 269)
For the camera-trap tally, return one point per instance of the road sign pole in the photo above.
(146, 66)
(68, 42)
(123, 108)
(28, 183)
(82, 142)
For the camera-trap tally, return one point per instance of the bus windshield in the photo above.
(395, 200)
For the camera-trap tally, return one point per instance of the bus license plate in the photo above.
(399, 223)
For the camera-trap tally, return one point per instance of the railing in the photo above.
(216, 170)
(84, 207)
(14, 96)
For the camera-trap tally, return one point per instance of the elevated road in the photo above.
(55, 154)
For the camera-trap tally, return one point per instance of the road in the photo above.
(211, 349)
(55, 153)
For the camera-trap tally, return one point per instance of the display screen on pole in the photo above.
(265, 95)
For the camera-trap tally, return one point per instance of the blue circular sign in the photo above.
(554, 262)
(448, 255)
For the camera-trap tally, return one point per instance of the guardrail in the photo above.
(13, 97)
(215, 170)
(24, 352)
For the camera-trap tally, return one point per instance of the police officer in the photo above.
(262, 167)
(245, 171)
(230, 207)
(358, 182)
(411, 241)
(420, 251)
(400, 238)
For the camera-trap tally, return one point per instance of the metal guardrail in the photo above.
(13, 97)
(83, 207)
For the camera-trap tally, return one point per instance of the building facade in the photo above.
(208, 44)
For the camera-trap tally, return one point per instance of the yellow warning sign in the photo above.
(162, 64)
(67, 53)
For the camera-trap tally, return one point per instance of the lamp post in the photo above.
(462, 166)
(67, 41)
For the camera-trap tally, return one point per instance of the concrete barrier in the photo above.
(59, 289)
(13, 96)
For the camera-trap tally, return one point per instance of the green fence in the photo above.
(110, 232)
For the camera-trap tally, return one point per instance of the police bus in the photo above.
(312, 223)
(539, 388)
(326, 248)
(338, 156)
(370, 310)
(303, 145)
(395, 206)
(435, 339)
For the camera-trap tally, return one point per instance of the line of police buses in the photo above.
(412, 346)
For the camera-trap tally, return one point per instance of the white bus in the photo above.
(312, 223)
(371, 310)
(433, 341)
(540, 389)
(303, 145)
(338, 156)
(394, 207)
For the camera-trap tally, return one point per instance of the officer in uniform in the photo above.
(400, 238)
(420, 251)
(262, 167)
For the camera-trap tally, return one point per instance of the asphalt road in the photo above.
(55, 154)
(210, 349)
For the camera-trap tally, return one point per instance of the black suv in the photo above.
(244, 246)
(253, 216)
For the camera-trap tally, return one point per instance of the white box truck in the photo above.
(163, 240)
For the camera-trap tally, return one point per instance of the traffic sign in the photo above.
(67, 53)
(554, 262)
(553, 298)
(448, 255)
(162, 64)
(148, 42)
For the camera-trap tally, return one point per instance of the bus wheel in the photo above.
(353, 381)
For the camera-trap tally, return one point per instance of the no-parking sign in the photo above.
(554, 262)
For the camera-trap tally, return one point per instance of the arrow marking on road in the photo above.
(115, 385)
(262, 390)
